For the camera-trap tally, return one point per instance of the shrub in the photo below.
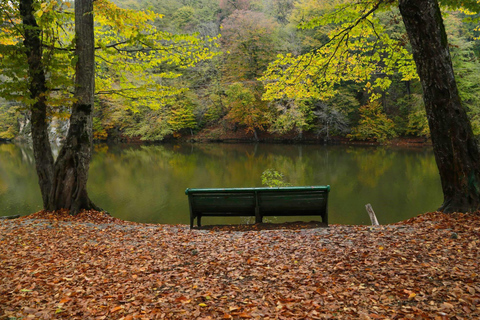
(374, 125)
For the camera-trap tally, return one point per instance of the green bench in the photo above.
(258, 202)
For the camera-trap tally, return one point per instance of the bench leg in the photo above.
(258, 216)
(192, 219)
(199, 220)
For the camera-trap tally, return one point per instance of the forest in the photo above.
(175, 69)
(179, 69)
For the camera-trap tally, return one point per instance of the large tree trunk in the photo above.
(456, 150)
(73, 162)
(37, 87)
(63, 183)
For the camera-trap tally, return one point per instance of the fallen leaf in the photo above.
(117, 308)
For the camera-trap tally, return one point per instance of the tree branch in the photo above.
(342, 35)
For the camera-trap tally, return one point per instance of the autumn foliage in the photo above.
(93, 266)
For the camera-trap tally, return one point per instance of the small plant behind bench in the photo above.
(273, 178)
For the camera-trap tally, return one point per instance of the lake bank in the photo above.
(96, 266)
(242, 135)
(238, 134)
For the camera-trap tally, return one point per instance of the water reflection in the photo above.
(19, 190)
(147, 183)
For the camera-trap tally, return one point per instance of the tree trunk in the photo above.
(255, 134)
(41, 146)
(456, 150)
(73, 162)
(63, 182)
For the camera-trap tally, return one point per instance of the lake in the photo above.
(147, 183)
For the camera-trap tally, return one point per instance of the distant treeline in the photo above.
(229, 87)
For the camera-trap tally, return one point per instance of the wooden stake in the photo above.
(371, 213)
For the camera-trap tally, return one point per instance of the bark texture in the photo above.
(73, 162)
(37, 87)
(456, 150)
(63, 183)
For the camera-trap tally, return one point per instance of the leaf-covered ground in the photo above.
(97, 267)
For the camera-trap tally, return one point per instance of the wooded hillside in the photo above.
(170, 69)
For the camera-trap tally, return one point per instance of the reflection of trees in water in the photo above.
(13, 163)
(420, 167)
(16, 157)
(243, 167)
(24, 150)
(205, 165)
(413, 166)
(19, 191)
(131, 180)
(294, 168)
(147, 183)
(373, 163)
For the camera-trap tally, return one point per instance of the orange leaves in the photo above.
(96, 267)
(447, 306)
(30, 310)
(321, 291)
(182, 299)
(244, 315)
(235, 312)
(64, 300)
(115, 309)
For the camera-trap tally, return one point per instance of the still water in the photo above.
(147, 183)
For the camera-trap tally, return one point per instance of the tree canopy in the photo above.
(54, 68)
(134, 59)
(329, 58)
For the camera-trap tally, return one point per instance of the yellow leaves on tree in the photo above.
(131, 54)
(356, 48)
(374, 124)
(245, 107)
(137, 60)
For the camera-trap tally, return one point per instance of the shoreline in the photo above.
(241, 135)
(398, 142)
(220, 134)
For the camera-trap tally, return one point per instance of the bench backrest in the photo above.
(223, 202)
(270, 201)
(298, 202)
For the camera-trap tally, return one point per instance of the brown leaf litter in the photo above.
(93, 266)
